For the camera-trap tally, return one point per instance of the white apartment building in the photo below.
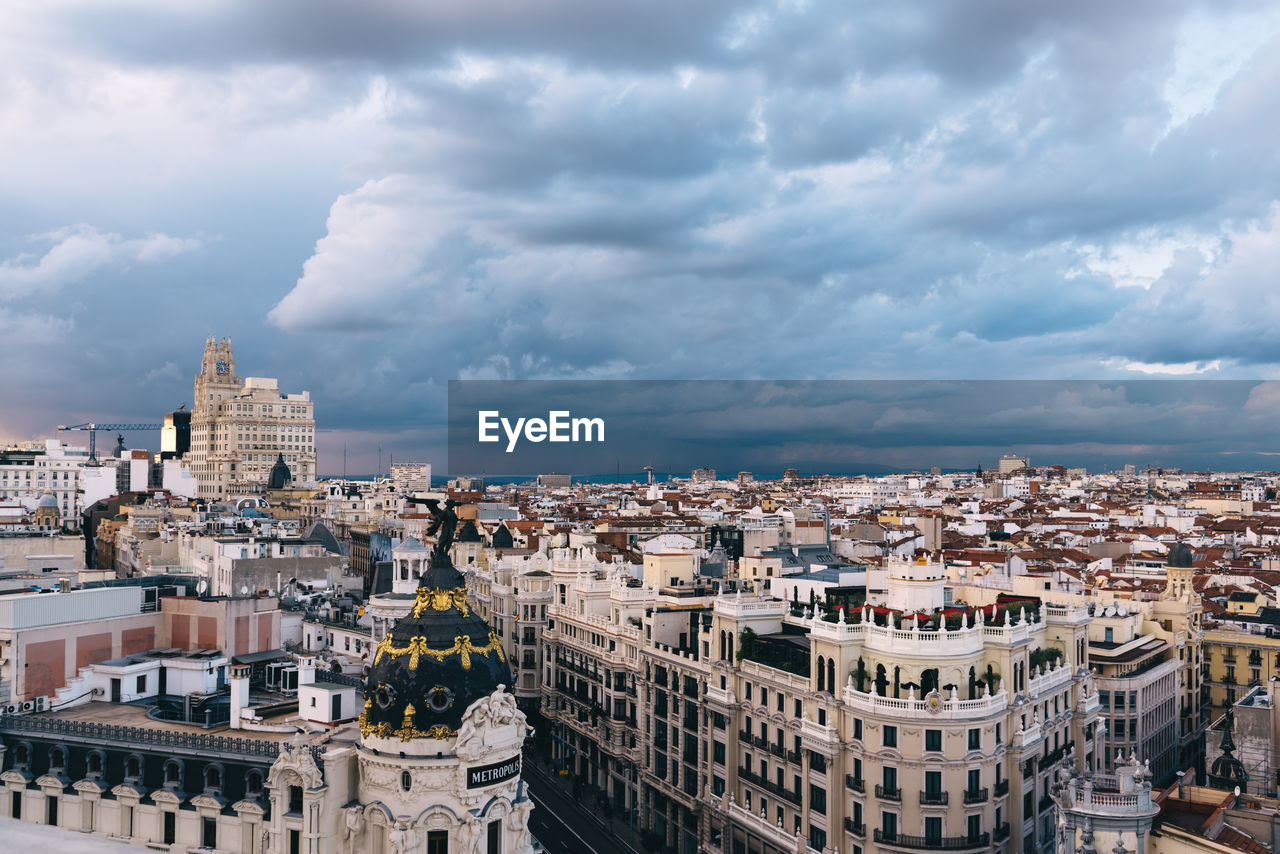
(742, 723)
(238, 429)
(410, 478)
(31, 470)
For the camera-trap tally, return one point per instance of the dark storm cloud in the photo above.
(842, 427)
(571, 189)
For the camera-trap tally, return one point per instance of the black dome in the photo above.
(502, 538)
(433, 664)
(280, 476)
(469, 533)
(1179, 555)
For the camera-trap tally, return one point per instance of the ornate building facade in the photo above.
(432, 767)
(241, 427)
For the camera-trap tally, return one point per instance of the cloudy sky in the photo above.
(374, 198)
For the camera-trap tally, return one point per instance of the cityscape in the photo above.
(551, 427)
(209, 647)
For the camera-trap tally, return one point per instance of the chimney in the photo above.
(239, 692)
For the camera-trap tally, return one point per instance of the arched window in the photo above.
(212, 778)
(21, 754)
(406, 780)
(133, 767)
(172, 772)
(57, 759)
(831, 675)
(822, 674)
(253, 782)
(95, 762)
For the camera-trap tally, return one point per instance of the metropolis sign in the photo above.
(487, 775)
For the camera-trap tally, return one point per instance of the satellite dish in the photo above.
(202, 587)
(1123, 610)
(244, 590)
(1110, 612)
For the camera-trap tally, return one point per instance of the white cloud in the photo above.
(77, 253)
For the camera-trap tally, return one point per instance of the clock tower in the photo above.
(217, 376)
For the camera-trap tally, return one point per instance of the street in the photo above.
(564, 826)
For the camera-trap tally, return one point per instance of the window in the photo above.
(857, 727)
(822, 717)
(406, 780)
(1104, 699)
(717, 752)
(817, 838)
(933, 830)
(295, 799)
(817, 798)
(170, 827)
(933, 782)
(142, 684)
(889, 825)
(975, 827)
(975, 739)
(212, 778)
(933, 739)
(1110, 635)
(209, 834)
(890, 736)
(495, 837)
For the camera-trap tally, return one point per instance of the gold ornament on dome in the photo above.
(462, 647)
(406, 731)
(441, 600)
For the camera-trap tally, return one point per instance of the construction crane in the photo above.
(92, 428)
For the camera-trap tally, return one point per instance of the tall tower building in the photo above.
(241, 427)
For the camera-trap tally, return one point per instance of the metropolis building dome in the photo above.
(439, 752)
(434, 663)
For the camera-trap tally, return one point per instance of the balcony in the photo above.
(744, 736)
(855, 829)
(759, 742)
(855, 784)
(934, 798)
(1053, 758)
(888, 794)
(933, 843)
(976, 796)
(1001, 833)
(793, 756)
(818, 762)
(777, 750)
(1002, 787)
(780, 791)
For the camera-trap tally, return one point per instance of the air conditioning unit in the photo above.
(40, 704)
(11, 709)
(28, 706)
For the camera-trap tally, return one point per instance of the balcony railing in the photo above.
(1001, 833)
(935, 798)
(888, 794)
(1002, 787)
(777, 750)
(743, 735)
(976, 796)
(856, 784)
(780, 791)
(855, 829)
(933, 843)
(793, 756)
(818, 762)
